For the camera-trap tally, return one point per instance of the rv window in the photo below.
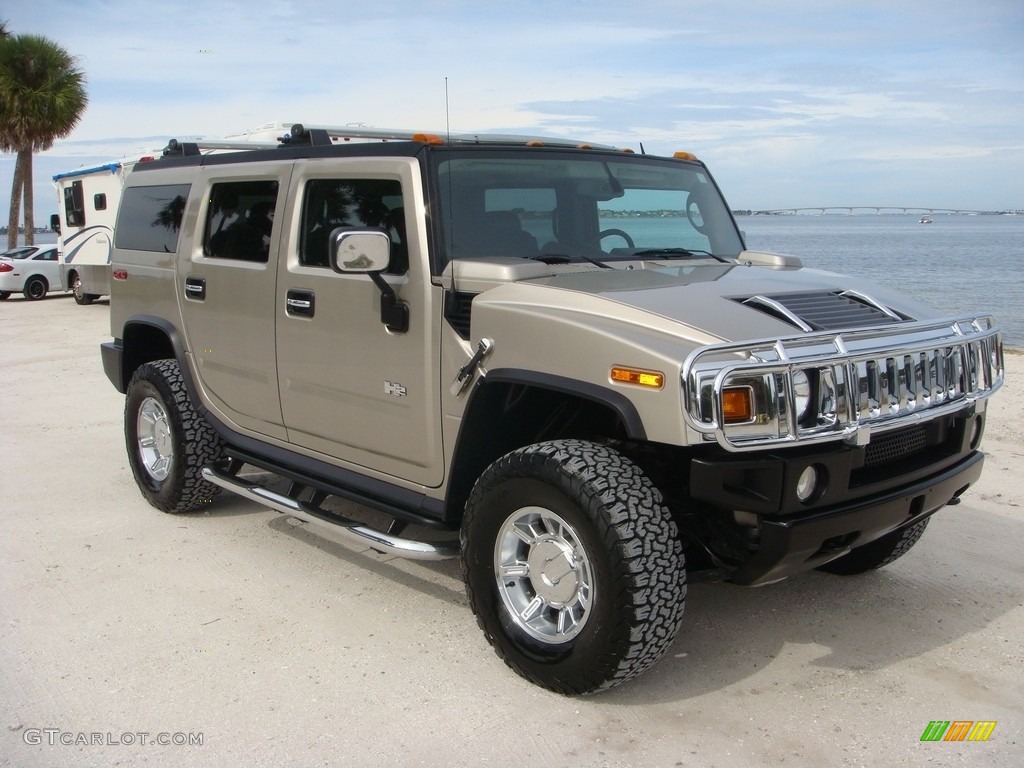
(99, 202)
(239, 220)
(331, 203)
(74, 205)
(149, 218)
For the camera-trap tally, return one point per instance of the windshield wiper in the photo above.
(676, 253)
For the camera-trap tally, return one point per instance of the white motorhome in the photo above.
(87, 202)
(87, 206)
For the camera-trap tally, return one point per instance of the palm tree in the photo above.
(42, 97)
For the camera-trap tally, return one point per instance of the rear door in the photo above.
(227, 286)
(351, 389)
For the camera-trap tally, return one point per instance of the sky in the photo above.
(790, 103)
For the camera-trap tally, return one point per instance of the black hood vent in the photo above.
(825, 310)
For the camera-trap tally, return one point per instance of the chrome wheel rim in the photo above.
(156, 447)
(76, 287)
(544, 575)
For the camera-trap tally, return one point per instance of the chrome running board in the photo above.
(351, 529)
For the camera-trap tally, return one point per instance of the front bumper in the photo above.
(790, 546)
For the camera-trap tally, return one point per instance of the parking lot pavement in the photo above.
(239, 636)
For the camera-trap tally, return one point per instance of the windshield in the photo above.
(564, 206)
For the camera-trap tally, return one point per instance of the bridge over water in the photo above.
(878, 209)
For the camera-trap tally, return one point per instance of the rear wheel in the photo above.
(168, 442)
(573, 565)
(878, 553)
(35, 288)
(76, 289)
(4, 295)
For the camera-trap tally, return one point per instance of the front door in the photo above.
(351, 389)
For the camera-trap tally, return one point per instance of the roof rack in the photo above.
(301, 135)
(321, 135)
(191, 148)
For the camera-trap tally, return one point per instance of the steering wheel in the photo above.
(613, 233)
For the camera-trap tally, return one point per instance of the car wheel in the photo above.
(4, 295)
(573, 565)
(76, 289)
(35, 288)
(168, 442)
(878, 553)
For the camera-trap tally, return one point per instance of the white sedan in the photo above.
(31, 269)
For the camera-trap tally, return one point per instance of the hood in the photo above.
(755, 297)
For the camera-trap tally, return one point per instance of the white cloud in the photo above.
(790, 89)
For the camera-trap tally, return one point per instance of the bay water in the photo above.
(958, 264)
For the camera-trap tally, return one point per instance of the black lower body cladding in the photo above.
(789, 546)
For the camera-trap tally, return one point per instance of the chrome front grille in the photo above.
(865, 381)
(899, 384)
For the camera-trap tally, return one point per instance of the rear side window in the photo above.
(331, 203)
(240, 219)
(149, 218)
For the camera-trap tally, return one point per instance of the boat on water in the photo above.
(926, 219)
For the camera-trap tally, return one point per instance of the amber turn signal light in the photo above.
(651, 379)
(737, 405)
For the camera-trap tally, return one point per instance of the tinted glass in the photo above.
(570, 206)
(74, 205)
(331, 203)
(240, 220)
(149, 218)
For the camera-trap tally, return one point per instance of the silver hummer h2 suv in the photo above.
(556, 361)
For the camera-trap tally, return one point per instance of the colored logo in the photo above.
(958, 730)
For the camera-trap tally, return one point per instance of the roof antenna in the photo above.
(642, 148)
(450, 236)
(447, 120)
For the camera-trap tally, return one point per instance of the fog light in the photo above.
(807, 484)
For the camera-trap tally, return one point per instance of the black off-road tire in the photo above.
(168, 442)
(878, 553)
(35, 288)
(583, 513)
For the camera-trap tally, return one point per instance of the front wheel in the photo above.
(878, 553)
(4, 295)
(573, 565)
(168, 442)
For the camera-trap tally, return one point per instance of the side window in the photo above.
(46, 256)
(74, 205)
(330, 203)
(149, 218)
(239, 220)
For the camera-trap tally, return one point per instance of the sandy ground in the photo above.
(121, 626)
